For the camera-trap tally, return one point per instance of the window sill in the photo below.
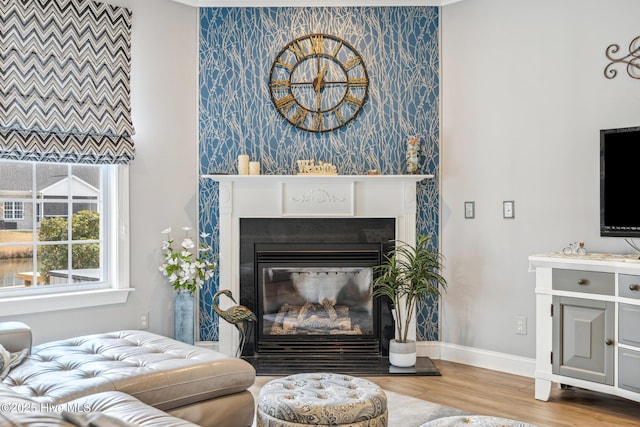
(62, 301)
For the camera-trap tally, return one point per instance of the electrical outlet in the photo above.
(521, 325)
(143, 320)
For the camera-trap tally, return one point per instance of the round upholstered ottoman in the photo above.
(321, 399)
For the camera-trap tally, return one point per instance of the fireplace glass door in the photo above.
(310, 298)
(306, 301)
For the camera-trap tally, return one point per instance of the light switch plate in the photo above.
(508, 209)
(469, 210)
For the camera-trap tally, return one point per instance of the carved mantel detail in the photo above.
(318, 196)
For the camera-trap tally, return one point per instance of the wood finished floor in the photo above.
(482, 391)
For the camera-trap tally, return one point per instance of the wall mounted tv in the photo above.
(619, 177)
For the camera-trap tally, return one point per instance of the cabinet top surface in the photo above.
(588, 261)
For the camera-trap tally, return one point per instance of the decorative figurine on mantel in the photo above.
(309, 167)
(413, 150)
(238, 315)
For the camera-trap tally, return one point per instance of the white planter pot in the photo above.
(402, 354)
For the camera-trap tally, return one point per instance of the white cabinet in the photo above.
(587, 323)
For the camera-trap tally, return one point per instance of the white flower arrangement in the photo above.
(185, 269)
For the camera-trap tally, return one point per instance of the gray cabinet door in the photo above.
(629, 370)
(583, 333)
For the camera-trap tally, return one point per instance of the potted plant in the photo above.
(407, 275)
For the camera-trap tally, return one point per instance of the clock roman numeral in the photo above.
(299, 117)
(317, 121)
(353, 101)
(352, 63)
(357, 82)
(283, 64)
(280, 85)
(337, 49)
(317, 45)
(298, 50)
(339, 117)
(285, 103)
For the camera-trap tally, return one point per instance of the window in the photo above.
(13, 211)
(66, 245)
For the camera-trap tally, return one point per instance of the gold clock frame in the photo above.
(332, 51)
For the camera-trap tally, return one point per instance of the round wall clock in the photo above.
(318, 83)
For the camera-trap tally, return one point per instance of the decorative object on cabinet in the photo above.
(579, 302)
(413, 154)
(238, 315)
(632, 60)
(309, 167)
(575, 248)
(407, 275)
(318, 83)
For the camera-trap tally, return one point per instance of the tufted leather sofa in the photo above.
(135, 376)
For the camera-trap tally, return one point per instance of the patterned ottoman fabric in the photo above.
(321, 399)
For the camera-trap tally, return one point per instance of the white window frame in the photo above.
(13, 211)
(116, 246)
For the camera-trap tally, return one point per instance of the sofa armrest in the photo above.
(15, 336)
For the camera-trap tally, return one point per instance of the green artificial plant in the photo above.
(407, 275)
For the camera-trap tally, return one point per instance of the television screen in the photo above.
(619, 175)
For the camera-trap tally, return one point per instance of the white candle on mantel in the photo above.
(243, 164)
(254, 168)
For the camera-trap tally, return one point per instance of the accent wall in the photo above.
(400, 48)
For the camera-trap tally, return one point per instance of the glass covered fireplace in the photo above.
(308, 282)
(317, 297)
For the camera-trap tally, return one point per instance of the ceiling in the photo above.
(312, 3)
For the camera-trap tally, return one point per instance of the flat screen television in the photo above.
(619, 177)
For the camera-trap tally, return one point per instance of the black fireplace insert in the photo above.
(317, 298)
(308, 282)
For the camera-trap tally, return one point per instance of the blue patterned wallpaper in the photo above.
(237, 47)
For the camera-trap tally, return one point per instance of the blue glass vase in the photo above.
(184, 317)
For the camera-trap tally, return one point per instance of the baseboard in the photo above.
(486, 359)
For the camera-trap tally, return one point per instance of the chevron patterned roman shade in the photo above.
(64, 81)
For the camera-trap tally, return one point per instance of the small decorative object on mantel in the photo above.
(309, 167)
(238, 315)
(632, 60)
(243, 164)
(413, 149)
(254, 168)
(187, 272)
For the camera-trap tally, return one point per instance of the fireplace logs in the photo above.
(314, 319)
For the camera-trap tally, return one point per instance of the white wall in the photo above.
(164, 174)
(523, 97)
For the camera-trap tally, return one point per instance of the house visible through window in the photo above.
(52, 232)
(13, 211)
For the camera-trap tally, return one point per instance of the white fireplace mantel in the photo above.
(305, 196)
